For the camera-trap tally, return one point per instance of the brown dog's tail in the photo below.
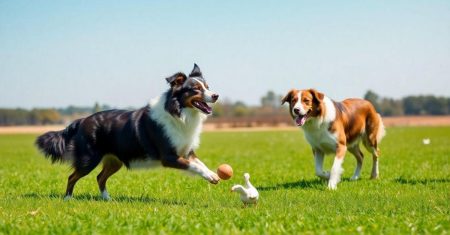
(381, 132)
(374, 129)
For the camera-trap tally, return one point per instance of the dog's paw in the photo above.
(212, 177)
(354, 178)
(105, 196)
(333, 182)
(67, 198)
(332, 185)
(374, 177)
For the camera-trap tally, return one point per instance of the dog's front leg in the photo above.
(177, 162)
(318, 160)
(193, 158)
(205, 170)
(336, 169)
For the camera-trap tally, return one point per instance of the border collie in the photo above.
(165, 132)
(335, 127)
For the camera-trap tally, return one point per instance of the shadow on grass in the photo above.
(402, 180)
(119, 198)
(311, 183)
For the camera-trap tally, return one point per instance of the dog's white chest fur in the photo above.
(321, 139)
(317, 130)
(184, 132)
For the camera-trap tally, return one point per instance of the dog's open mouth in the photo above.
(202, 106)
(301, 119)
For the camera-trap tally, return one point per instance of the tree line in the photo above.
(409, 105)
(46, 116)
(11, 117)
(270, 105)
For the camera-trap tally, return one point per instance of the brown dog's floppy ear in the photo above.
(317, 96)
(288, 97)
(177, 79)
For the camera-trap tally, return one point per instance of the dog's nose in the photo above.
(297, 111)
(215, 97)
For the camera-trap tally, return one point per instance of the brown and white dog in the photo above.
(335, 127)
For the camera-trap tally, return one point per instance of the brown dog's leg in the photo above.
(318, 162)
(356, 151)
(375, 132)
(375, 155)
(336, 169)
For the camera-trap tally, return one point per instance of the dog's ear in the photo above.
(317, 96)
(288, 96)
(196, 72)
(177, 79)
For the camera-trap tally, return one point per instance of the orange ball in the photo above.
(225, 171)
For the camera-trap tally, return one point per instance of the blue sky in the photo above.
(57, 53)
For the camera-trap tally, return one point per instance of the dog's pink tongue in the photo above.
(300, 120)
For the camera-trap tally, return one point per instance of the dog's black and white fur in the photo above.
(164, 132)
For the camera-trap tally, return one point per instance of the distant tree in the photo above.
(50, 116)
(107, 107)
(240, 109)
(429, 105)
(218, 110)
(413, 105)
(390, 107)
(448, 105)
(97, 108)
(270, 100)
(227, 108)
(44, 116)
(435, 105)
(35, 117)
(71, 110)
(13, 117)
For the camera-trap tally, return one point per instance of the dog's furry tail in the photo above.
(53, 144)
(381, 132)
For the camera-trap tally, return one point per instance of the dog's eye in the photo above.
(196, 90)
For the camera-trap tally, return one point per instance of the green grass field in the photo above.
(412, 195)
